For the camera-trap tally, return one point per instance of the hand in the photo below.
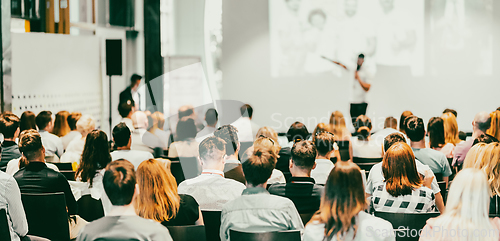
(428, 179)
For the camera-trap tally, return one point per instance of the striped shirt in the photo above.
(420, 200)
(10, 200)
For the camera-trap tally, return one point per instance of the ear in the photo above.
(291, 163)
(314, 166)
(238, 148)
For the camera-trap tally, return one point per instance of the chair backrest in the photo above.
(306, 217)
(52, 159)
(4, 226)
(236, 174)
(288, 235)
(406, 222)
(46, 215)
(89, 208)
(191, 167)
(334, 159)
(366, 163)
(69, 175)
(344, 150)
(64, 166)
(212, 224)
(187, 233)
(176, 170)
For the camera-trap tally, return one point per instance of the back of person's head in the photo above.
(363, 127)
(337, 124)
(73, 119)
(435, 127)
(125, 108)
(186, 128)
(462, 135)
(415, 129)
(30, 145)
(268, 132)
(320, 128)
(246, 111)
(450, 128)
(304, 154)
(121, 135)
(61, 127)
(393, 139)
(185, 110)
(27, 121)
(452, 111)
(487, 158)
(9, 125)
(229, 134)
(85, 124)
(343, 198)
(259, 166)
(494, 129)
(400, 171)
(211, 117)
(119, 182)
(158, 198)
(402, 120)
(297, 132)
(212, 149)
(158, 119)
(140, 120)
(269, 143)
(482, 121)
(95, 156)
(484, 139)
(324, 142)
(134, 78)
(43, 119)
(391, 122)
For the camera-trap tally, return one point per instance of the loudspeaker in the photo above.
(121, 13)
(113, 57)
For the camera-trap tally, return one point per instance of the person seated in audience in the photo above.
(158, 120)
(123, 140)
(450, 128)
(495, 125)
(75, 148)
(376, 175)
(324, 143)
(245, 126)
(452, 111)
(52, 144)
(466, 213)
(211, 117)
(436, 160)
(301, 188)
(122, 223)
(269, 143)
(270, 133)
(390, 126)
(321, 128)
(362, 145)
(435, 128)
(142, 140)
(256, 210)
(483, 138)
(9, 126)
(185, 144)
(342, 135)
(126, 110)
(402, 121)
(10, 200)
(462, 135)
(229, 134)
(296, 133)
(403, 190)
(158, 198)
(61, 127)
(480, 124)
(27, 121)
(211, 190)
(74, 133)
(188, 111)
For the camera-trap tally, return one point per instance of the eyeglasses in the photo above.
(262, 136)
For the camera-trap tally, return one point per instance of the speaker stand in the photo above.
(110, 109)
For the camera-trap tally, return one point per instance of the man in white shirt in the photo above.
(247, 129)
(211, 117)
(142, 139)
(123, 141)
(325, 146)
(211, 190)
(52, 143)
(73, 134)
(10, 201)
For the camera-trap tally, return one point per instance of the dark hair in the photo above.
(125, 108)
(361, 56)
(462, 136)
(393, 139)
(209, 145)
(211, 116)
(185, 129)
(415, 128)
(185, 112)
(73, 119)
(121, 134)
(304, 154)
(498, 108)
(391, 122)
(9, 123)
(454, 112)
(27, 121)
(30, 144)
(297, 132)
(134, 78)
(363, 126)
(324, 143)
(119, 182)
(229, 134)
(246, 110)
(484, 138)
(314, 12)
(435, 127)
(402, 120)
(43, 119)
(400, 170)
(259, 167)
(95, 156)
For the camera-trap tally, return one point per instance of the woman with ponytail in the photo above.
(362, 144)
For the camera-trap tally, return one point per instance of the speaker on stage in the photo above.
(121, 13)
(113, 57)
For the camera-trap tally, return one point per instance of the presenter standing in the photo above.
(131, 94)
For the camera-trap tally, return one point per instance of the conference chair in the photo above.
(495, 206)
(4, 226)
(235, 173)
(344, 150)
(191, 167)
(406, 225)
(46, 215)
(442, 185)
(176, 170)
(288, 235)
(306, 217)
(52, 159)
(366, 163)
(212, 220)
(64, 166)
(89, 208)
(187, 233)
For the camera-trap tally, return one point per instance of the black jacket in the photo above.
(126, 95)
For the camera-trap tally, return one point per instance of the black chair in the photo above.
(64, 166)
(191, 167)
(212, 224)
(344, 150)
(46, 215)
(288, 235)
(306, 217)
(187, 233)
(495, 206)
(366, 163)
(89, 208)
(4, 226)
(176, 170)
(69, 175)
(404, 223)
(333, 160)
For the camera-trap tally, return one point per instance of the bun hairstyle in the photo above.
(259, 167)
(363, 126)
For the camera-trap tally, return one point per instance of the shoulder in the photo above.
(188, 200)
(277, 188)
(367, 221)
(314, 231)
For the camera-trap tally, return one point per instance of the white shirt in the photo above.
(187, 148)
(74, 151)
(143, 140)
(97, 192)
(247, 129)
(322, 170)
(276, 177)
(366, 149)
(13, 166)
(10, 200)
(163, 136)
(380, 135)
(136, 157)
(52, 143)
(69, 137)
(366, 73)
(206, 132)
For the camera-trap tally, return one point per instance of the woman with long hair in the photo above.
(495, 125)
(27, 121)
(402, 184)
(341, 215)
(362, 144)
(158, 121)
(61, 127)
(450, 128)
(341, 134)
(466, 213)
(185, 144)
(435, 128)
(158, 198)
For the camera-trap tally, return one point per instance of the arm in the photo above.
(439, 202)
(446, 179)
(200, 219)
(15, 208)
(363, 84)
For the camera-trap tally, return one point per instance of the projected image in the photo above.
(388, 32)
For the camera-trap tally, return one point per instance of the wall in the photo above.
(278, 102)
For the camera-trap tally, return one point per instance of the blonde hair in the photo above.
(85, 124)
(337, 125)
(158, 198)
(158, 120)
(487, 158)
(265, 142)
(495, 125)
(320, 127)
(450, 128)
(61, 127)
(267, 132)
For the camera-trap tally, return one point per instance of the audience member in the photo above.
(61, 127)
(15, 164)
(130, 94)
(245, 126)
(484, 138)
(158, 198)
(211, 190)
(480, 124)
(27, 121)
(126, 110)
(157, 129)
(122, 223)
(435, 128)
(301, 188)
(123, 140)
(390, 126)
(74, 151)
(142, 140)
(403, 191)
(341, 215)
(466, 211)
(322, 128)
(211, 117)
(362, 145)
(495, 125)
(324, 143)
(268, 143)
(185, 144)
(402, 120)
(188, 111)
(462, 135)
(256, 210)
(9, 127)
(10, 201)
(229, 134)
(74, 133)
(452, 111)
(341, 134)
(52, 144)
(450, 128)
